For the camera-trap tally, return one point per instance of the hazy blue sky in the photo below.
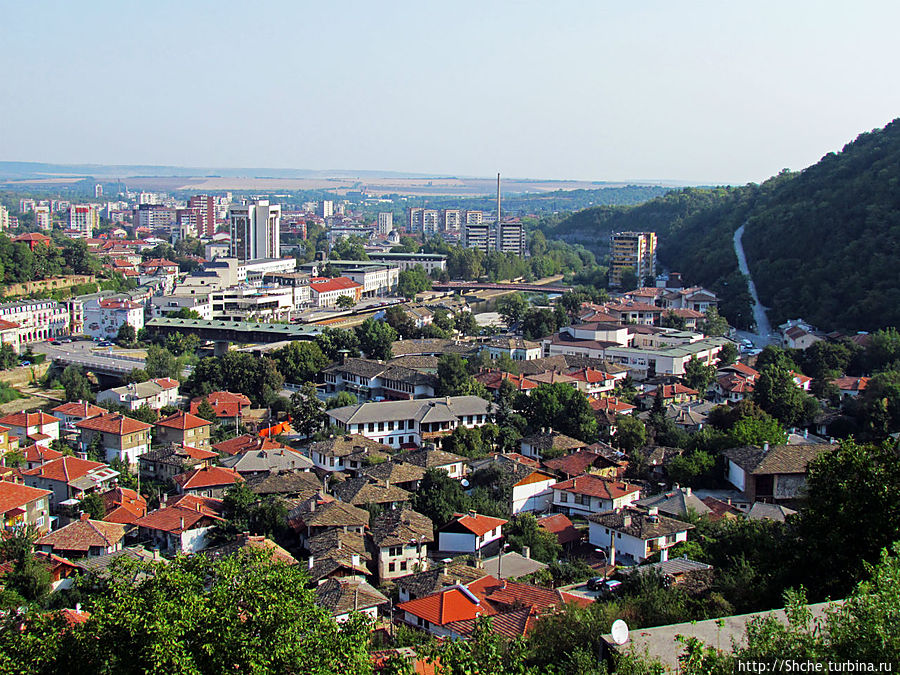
(697, 91)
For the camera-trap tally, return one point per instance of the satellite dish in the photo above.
(619, 632)
(464, 483)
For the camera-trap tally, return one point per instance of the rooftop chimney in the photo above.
(766, 446)
(310, 562)
(626, 521)
(181, 522)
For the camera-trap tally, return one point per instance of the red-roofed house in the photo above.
(228, 406)
(69, 478)
(9, 334)
(588, 494)
(23, 505)
(246, 443)
(210, 481)
(35, 455)
(76, 411)
(851, 386)
(671, 394)
(732, 388)
(562, 527)
(32, 427)
(33, 239)
(104, 317)
(802, 381)
(325, 292)
(184, 429)
(592, 381)
(469, 533)
(83, 538)
(583, 461)
(123, 505)
(434, 612)
(611, 405)
(155, 394)
(177, 529)
(120, 437)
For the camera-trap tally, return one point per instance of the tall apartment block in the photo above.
(511, 238)
(207, 209)
(479, 236)
(414, 215)
(636, 250)
(385, 223)
(255, 230)
(85, 218)
(474, 217)
(4, 218)
(42, 217)
(98, 190)
(451, 219)
(326, 208)
(155, 217)
(431, 222)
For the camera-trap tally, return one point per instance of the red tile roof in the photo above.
(175, 519)
(158, 262)
(13, 495)
(113, 423)
(81, 409)
(735, 384)
(224, 403)
(595, 486)
(28, 419)
(64, 469)
(166, 382)
(744, 369)
(452, 604)
(81, 535)
(515, 623)
(573, 464)
(7, 325)
(611, 404)
(182, 420)
(561, 526)
(119, 304)
(324, 285)
(38, 453)
(210, 476)
(590, 375)
(847, 383)
(208, 505)
(479, 524)
(246, 443)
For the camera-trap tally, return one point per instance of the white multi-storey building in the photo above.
(42, 218)
(84, 218)
(38, 319)
(385, 223)
(255, 230)
(104, 317)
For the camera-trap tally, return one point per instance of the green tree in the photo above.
(256, 377)
(466, 324)
(206, 410)
(756, 431)
(412, 282)
(345, 302)
(77, 386)
(401, 321)
(671, 320)
(8, 357)
(160, 362)
(698, 375)
(454, 379)
(335, 341)
(127, 335)
(93, 505)
(561, 407)
(522, 530)
(195, 614)
(776, 393)
(341, 399)
(375, 339)
(300, 361)
(136, 375)
(307, 411)
(29, 578)
(512, 307)
(439, 497)
(728, 355)
(631, 433)
(713, 324)
(853, 495)
(179, 343)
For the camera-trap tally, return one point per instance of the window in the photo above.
(392, 567)
(403, 566)
(670, 538)
(395, 551)
(563, 497)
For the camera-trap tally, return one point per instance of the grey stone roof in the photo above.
(778, 459)
(337, 542)
(398, 527)
(255, 461)
(554, 440)
(361, 491)
(763, 511)
(428, 459)
(301, 483)
(394, 472)
(641, 526)
(677, 503)
(340, 596)
(424, 410)
(350, 444)
(673, 566)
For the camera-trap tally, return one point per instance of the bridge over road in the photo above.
(489, 286)
(242, 332)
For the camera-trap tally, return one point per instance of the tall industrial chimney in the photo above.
(498, 199)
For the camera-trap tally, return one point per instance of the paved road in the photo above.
(763, 334)
(82, 353)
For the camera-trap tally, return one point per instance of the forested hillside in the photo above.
(822, 244)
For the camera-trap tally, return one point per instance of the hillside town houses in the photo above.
(412, 481)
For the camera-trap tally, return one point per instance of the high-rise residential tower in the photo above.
(255, 230)
(635, 250)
